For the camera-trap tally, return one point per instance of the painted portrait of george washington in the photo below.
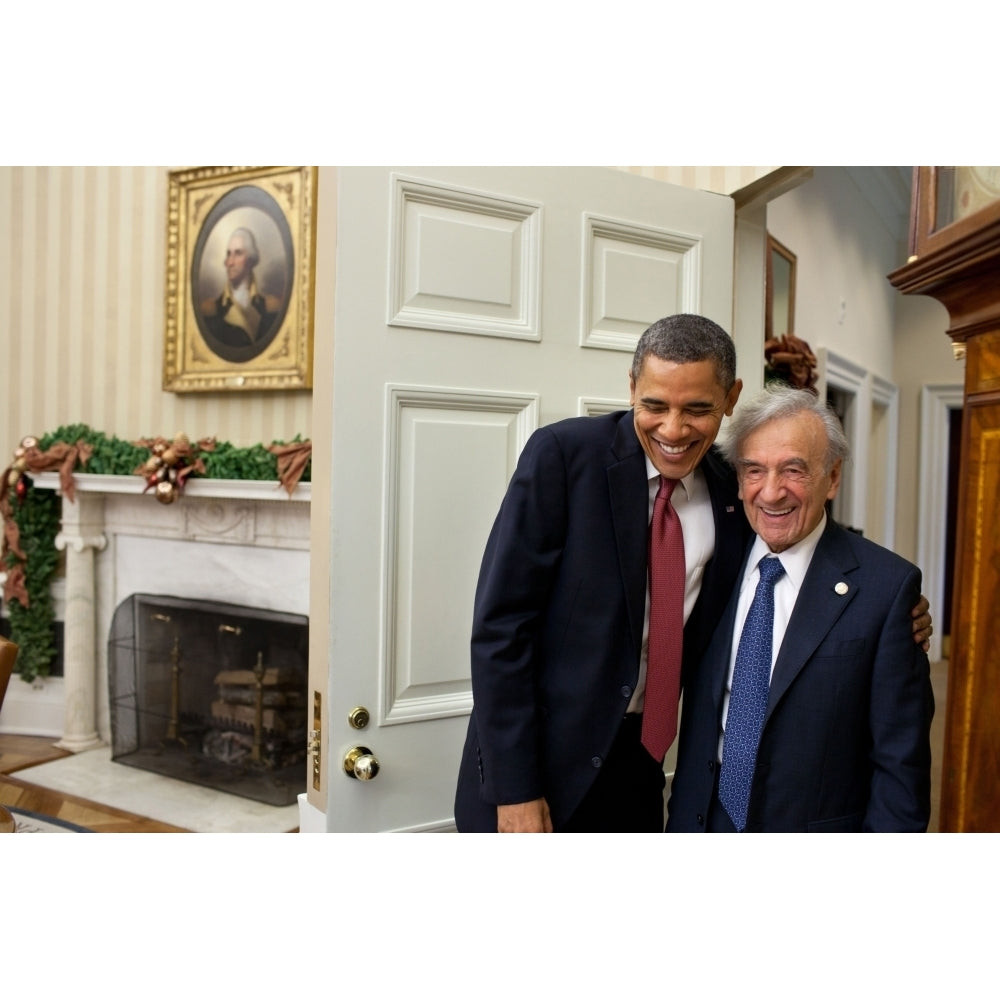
(242, 272)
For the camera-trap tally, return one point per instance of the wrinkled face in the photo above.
(678, 412)
(237, 264)
(783, 480)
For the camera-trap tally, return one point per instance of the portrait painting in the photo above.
(240, 281)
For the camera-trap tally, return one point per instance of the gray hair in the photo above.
(684, 339)
(249, 244)
(776, 402)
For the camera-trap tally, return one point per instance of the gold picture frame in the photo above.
(255, 226)
(779, 290)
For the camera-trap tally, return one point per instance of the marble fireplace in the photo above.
(236, 543)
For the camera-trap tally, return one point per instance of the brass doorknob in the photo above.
(361, 763)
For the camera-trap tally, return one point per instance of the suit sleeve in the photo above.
(902, 706)
(517, 576)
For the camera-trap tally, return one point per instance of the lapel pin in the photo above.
(841, 588)
(729, 510)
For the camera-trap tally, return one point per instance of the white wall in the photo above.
(846, 246)
(843, 300)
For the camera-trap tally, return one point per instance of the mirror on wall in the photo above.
(779, 311)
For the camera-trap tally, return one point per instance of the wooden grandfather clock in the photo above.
(955, 258)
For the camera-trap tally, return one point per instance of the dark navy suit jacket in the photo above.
(846, 739)
(559, 610)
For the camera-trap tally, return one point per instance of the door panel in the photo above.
(472, 305)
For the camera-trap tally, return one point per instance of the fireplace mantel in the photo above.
(241, 541)
(227, 489)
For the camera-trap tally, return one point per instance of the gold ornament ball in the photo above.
(165, 492)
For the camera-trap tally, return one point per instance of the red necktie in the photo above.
(666, 624)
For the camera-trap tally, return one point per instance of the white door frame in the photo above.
(936, 403)
(867, 391)
(838, 372)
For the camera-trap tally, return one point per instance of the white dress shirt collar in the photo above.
(795, 558)
(686, 483)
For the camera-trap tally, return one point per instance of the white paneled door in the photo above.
(473, 305)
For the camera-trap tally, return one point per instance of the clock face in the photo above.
(976, 188)
(988, 178)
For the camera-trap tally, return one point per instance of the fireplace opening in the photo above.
(211, 693)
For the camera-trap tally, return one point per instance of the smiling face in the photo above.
(678, 412)
(784, 483)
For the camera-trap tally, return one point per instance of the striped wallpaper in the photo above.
(82, 262)
(82, 277)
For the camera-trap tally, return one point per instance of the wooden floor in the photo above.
(20, 753)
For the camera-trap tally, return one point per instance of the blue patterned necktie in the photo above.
(748, 697)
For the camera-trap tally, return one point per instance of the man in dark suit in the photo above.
(558, 643)
(841, 742)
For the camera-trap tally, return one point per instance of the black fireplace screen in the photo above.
(211, 693)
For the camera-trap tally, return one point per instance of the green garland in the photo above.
(37, 516)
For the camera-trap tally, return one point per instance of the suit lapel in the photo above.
(629, 495)
(817, 609)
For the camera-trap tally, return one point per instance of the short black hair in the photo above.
(686, 338)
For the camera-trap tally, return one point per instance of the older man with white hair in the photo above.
(811, 709)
